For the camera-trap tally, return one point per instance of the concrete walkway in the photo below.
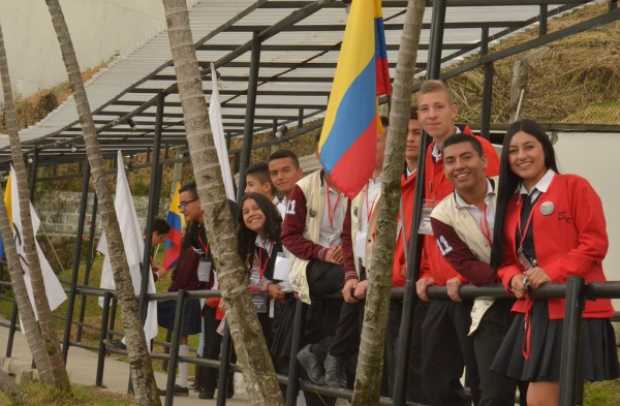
(82, 365)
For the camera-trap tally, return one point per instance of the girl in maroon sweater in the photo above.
(549, 227)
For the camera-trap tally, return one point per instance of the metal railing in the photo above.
(575, 291)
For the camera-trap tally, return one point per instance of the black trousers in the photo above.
(495, 389)
(413, 374)
(337, 322)
(446, 351)
(206, 378)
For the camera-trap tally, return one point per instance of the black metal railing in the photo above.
(571, 382)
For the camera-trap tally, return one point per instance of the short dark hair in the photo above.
(190, 187)
(462, 138)
(413, 113)
(260, 170)
(160, 226)
(385, 121)
(285, 153)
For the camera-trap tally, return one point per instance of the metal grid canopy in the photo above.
(289, 47)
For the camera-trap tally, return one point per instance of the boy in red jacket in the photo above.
(445, 321)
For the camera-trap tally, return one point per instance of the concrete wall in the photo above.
(100, 30)
(595, 157)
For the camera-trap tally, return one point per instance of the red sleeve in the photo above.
(425, 263)
(491, 155)
(458, 254)
(347, 246)
(589, 220)
(294, 226)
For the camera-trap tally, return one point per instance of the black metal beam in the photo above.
(77, 256)
(487, 89)
(387, 27)
(429, 3)
(307, 47)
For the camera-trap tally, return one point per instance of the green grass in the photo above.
(605, 393)
(38, 394)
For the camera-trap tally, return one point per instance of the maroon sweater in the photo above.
(293, 234)
(185, 275)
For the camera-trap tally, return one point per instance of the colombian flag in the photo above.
(176, 220)
(348, 140)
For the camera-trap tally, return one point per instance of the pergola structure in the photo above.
(276, 60)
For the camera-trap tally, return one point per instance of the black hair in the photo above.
(285, 153)
(509, 181)
(190, 187)
(385, 121)
(261, 171)
(247, 237)
(462, 138)
(160, 226)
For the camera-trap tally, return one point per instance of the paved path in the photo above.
(82, 366)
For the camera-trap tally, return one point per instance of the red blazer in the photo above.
(399, 268)
(436, 187)
(571, 241)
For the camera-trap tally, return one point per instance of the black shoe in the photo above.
(206, 394)
(178, 391)
(335, 374)
(310, 363)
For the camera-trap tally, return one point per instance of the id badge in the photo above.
(280, 271)
(204, 271)
(425, 222)
(525, 261)
(360, 247)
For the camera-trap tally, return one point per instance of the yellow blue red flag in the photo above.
(176, 220)
(347, 146)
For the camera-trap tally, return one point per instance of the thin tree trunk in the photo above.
(370, 360)
(57, 365)
(247, 336)
(145, 388)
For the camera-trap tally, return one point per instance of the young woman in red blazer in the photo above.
(549, 227)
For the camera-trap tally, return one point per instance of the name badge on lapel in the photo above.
(547, 208)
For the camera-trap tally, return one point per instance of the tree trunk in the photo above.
(145, 388)
(370, 360)
(247, 336)
(56, 362)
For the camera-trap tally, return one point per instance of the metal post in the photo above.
(414, 245)
(274, 126)
(437, 25)
(248, 129)
(571, 342)
(487, 92)
(151, 211)
(77, 254)
(224, 371)
(103, 335)
(12, 329)
(300, 118)
(292, 389)
(542, 20)
(174, 348)
(613, 4)
(112, 322)
(89, 265)
(32, 176)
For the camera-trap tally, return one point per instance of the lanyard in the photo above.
(263, 255)
(331, 210)
(370, 207)
(485, 229)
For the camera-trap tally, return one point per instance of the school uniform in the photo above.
(559, 226)
(446, 323)
(464, 234)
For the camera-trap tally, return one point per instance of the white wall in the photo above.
(100, 29)
(595, 157)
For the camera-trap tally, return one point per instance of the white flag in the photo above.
(217, 129)
(53, 288)
(133, 242)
